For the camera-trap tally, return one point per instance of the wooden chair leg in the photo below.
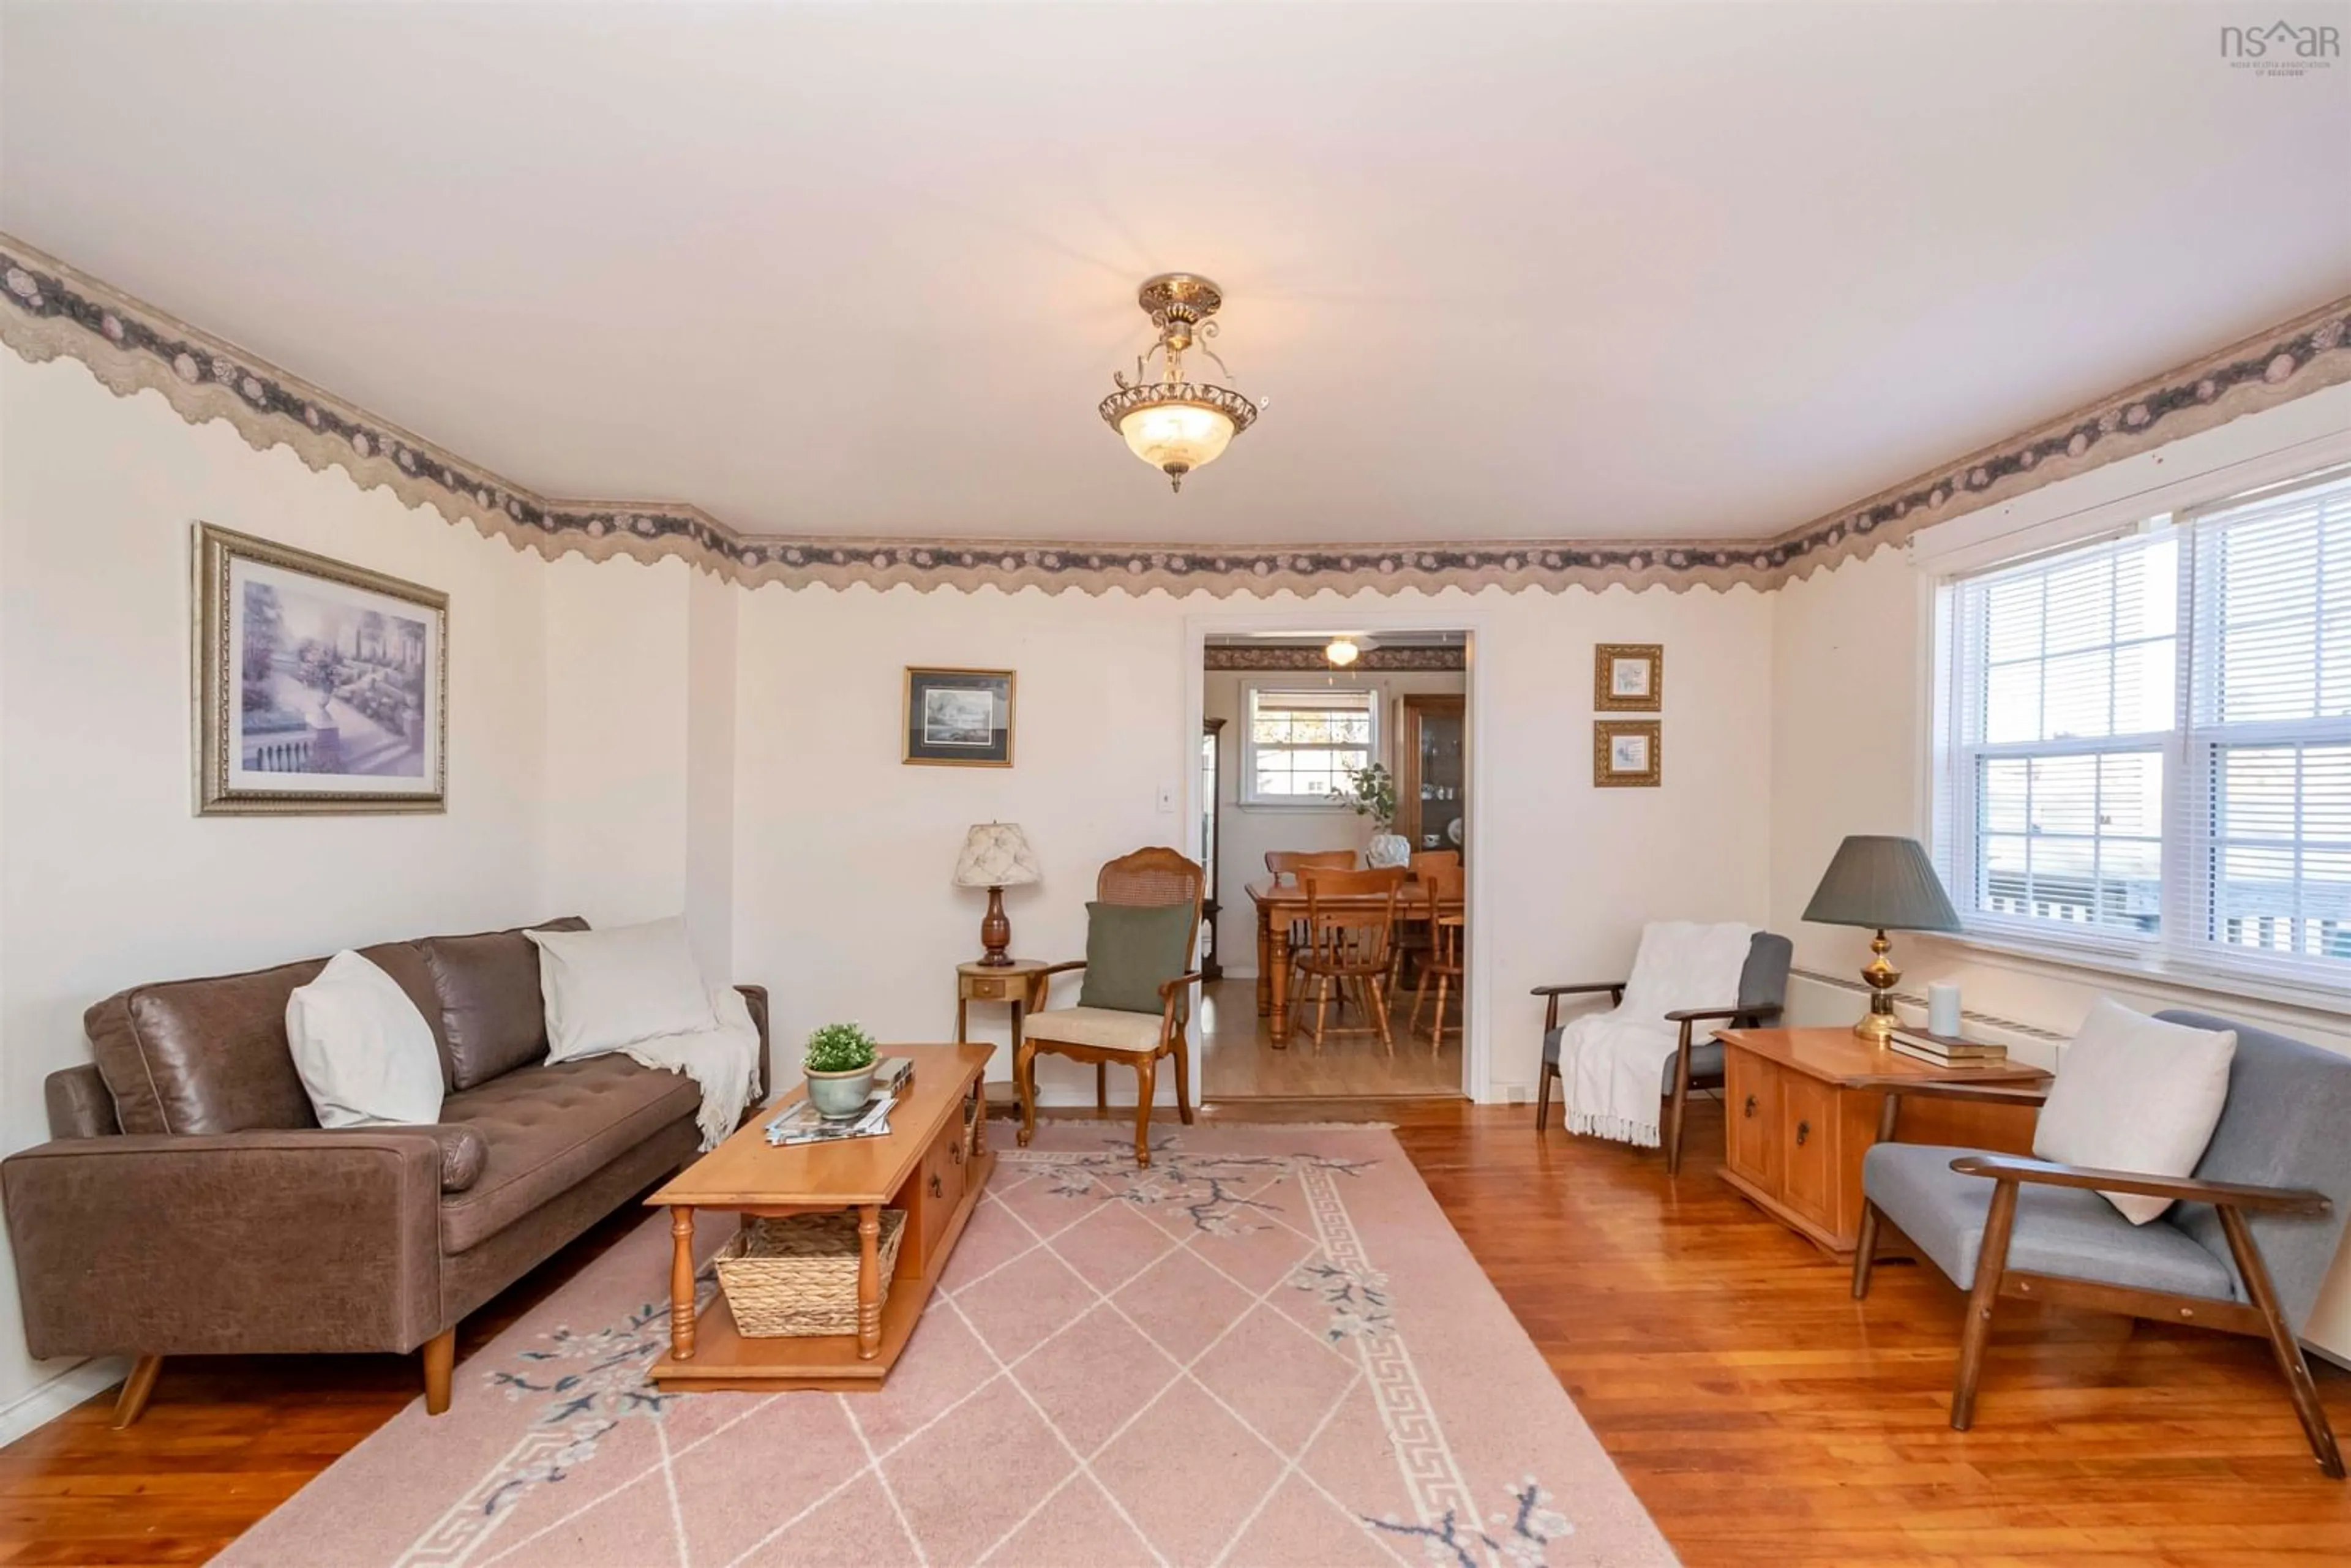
(1542, 1096)
(440, 1361)
(1321, 1009)
(1147, 1069)
(1680, 1104)
(2283, 1343)
(1990, 1265)
(1436, 1025)
(1102, 1086)
(132, 1403)
(1024, 1082)
(1380, 1017)
(1183, 1055)
(1865, 1251)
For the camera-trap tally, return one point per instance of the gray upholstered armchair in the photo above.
(2244, 1248)
(1697, 1063)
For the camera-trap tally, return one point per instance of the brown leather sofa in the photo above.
(189, 1203)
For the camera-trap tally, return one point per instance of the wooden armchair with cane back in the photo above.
(1141, 930)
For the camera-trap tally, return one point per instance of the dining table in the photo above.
(1282, 900)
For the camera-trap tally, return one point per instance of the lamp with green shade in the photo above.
(1881, 883)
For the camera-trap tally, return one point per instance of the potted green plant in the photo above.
(1371, 792)
(839, 1067)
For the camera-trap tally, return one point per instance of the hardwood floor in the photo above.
(1762, 1415)
(1238, 1059)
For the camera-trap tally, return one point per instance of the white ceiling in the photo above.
(1566, 271)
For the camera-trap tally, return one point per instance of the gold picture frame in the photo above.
(1627, 753)
(953, 717)
(321, 689)
(1628, 677)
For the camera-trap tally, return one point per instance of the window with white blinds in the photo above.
(1301, 744)
(2144, 744)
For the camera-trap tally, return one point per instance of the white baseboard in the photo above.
(38, 1407)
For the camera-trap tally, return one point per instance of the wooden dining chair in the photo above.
(1285, 865)
(1350, 928)
(1441, 885)
(1414, 934)
(1147, 878)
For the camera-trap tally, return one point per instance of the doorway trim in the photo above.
(1311, 617)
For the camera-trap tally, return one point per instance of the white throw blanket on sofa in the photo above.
(724, 1062)
(1611, 1064)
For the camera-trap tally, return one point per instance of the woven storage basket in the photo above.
(798, 1275)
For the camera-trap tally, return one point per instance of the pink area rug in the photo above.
(1269, 1348)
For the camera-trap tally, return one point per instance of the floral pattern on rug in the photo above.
(1268, 1348)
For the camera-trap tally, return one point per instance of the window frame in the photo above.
(2184, 949)
(1245, 794)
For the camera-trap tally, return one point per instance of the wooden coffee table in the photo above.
(932, 1165)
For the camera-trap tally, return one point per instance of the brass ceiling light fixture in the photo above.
(1174, 423)
(1341, 651)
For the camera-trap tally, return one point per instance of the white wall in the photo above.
(107, 878)
(638, 819)
(1248, 832)
(843, 902)
(1850, 693)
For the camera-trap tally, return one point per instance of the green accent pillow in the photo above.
(1131, 952)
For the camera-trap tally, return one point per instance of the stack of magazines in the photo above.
(1946, 1049)
(800, 1123)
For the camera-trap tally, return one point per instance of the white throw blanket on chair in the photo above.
(1611, 1064)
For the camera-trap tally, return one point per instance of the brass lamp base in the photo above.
(1877, 1025)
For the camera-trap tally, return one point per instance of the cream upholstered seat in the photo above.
(1104, 1028)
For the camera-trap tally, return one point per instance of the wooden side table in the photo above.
(1019, 984)
(1800, 1106)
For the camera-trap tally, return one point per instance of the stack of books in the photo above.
(1946, 1049)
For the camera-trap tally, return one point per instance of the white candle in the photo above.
(1943, 1009)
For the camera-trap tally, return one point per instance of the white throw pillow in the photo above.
(2138, 1095)
(366, 1055)
(609, 988)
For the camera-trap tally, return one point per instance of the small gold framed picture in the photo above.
(1627, 753)
(958, 717)
(1628, 677)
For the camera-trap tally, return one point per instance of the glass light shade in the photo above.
(1341, 652)
(1177, 437)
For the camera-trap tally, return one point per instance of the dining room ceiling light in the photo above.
(1171, 422)
(1341, 652)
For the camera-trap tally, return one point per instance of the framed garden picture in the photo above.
(320, 688)
(958, 717)
(1627, 753)
(1628, 677)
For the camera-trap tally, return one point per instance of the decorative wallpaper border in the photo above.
(48, 310)
(1375, 660)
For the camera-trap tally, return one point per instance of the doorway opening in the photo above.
(1325, 754)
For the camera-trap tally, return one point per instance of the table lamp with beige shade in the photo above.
(1881, 883)
(996, 855)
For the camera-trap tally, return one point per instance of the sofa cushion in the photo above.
(2059, 1231)
(486, 986)
(549, 1128)
(203, 1056)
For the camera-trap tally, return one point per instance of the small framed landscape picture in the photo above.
(1628, 677)
(958, 717)
(1626, 753)
(320, 688)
